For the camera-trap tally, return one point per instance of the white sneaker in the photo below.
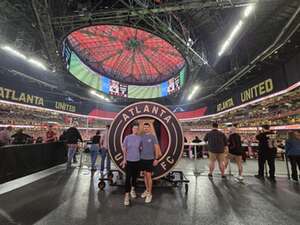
(239, 178)
(126, 200)
(144, 195)
(148, 198)
(132, 193)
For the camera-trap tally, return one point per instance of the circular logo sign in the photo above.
(154, 111)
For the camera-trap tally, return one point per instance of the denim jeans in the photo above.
(71, 152)
(94, 154)
(105, 157)
(294, 160)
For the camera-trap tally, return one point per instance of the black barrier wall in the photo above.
(20, 160)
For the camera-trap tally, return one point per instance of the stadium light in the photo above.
(37, 63)
(230, 38)
(195, 89)
(249, 9)
(20, 55)
(14, 52)
(93, 92)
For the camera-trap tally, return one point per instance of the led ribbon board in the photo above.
(149, 110)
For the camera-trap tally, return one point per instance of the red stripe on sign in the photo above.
(103, 114)
(180, 115)
(191, 114)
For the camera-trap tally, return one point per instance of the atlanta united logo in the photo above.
(164, 126)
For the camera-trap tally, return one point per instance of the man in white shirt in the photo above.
(104, 150)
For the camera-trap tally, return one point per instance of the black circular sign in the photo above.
(149, 110)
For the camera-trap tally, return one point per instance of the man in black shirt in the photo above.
(20, 138)
(217, 143)
(235, 151)
(72, 136)
(95, 149)
(266, 152)
(198, 148)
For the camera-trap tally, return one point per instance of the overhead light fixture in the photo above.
(93, 92)
(195, 89)
(37, 63)
(230, 38)
(13, 52)
(20, 55)
(249, 9)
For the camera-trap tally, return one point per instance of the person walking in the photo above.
(266, 152)
(292, 150)
(235, 151)
(95, 150)
(217, 142)
(131, 149)
(104, 151)
(72, 136)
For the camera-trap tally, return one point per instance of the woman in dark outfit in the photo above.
(235, 151)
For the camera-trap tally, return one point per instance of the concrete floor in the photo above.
(73, 198)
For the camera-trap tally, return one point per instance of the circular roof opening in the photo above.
(126, 54)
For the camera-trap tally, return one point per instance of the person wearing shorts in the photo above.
(216, 144)
(235, 151)
(149, 159)
(131, 149)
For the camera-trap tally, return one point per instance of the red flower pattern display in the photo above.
(126, 54)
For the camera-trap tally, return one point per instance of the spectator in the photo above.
(5, 136)
(20, 138)
(39, 140)
(292, 148)
(198, 148)
(266, 152)
(50, 135)
(217, 143)
(186, 147)
(104, 150)
(235, 151)
(95, 149)
(72, 136)
(62, 137)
